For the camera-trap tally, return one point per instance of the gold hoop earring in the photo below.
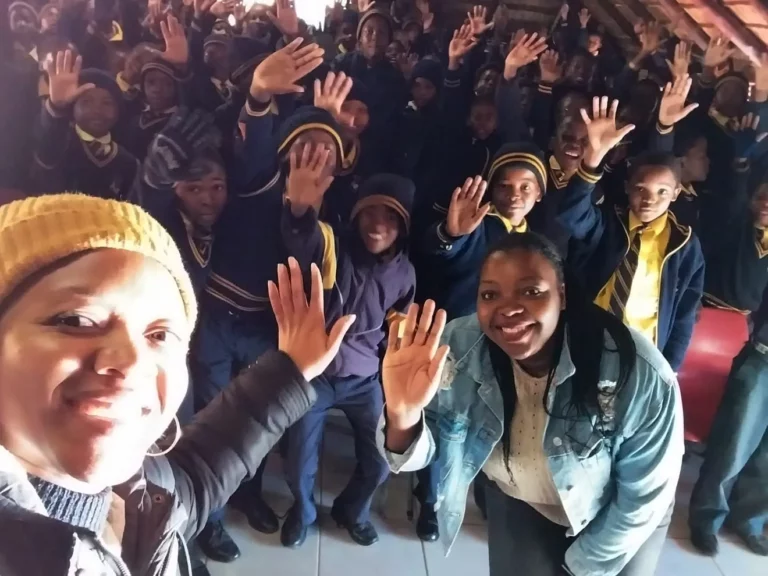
(176, 438)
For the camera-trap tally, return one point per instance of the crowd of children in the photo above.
(393, 151)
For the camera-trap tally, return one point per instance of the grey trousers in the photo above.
(522, 542)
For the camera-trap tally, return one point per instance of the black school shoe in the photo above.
(426, 527)
(217, 544)
(364, 533)
(704, 542)
(294, 532)
(260, 516)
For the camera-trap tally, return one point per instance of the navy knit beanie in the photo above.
(376, 13)
(390, 190)
(102, 80)
(304, 120)
(244, 55)
(522, 155)
(430, 69)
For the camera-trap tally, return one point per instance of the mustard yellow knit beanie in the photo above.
(38, 231)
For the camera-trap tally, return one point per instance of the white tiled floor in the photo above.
(329, 551)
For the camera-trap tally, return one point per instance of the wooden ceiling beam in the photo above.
(676, 13)
(726, 21)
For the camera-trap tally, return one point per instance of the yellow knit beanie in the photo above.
(38, 231)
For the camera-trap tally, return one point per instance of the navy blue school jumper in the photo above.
(603, 233)
(66, 162)
(357, 283)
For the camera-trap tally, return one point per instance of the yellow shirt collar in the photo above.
(85, 137)
(654, 228)
(522, 227)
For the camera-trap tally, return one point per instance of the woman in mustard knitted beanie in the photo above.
(96, 314)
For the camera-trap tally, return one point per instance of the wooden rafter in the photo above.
(676, 13)
(726, 21)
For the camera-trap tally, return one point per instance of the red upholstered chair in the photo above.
(718, 337)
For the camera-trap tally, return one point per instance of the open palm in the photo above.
(672, 108)
(413, 364)
(465, 212)
(602, 132)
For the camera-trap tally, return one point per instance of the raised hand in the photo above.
(549, 67)
(465, 212)
(477, 20)
(413, 365)
(584, 17)
(602, 132)
(285, 18)
(523, 52)
(365, 5)
(308, 180)
(718, 52)
(221, 8)
(461, 44)
(64, 79)
(301, 331)
(682, 60)
(176, 45)
(649, 34)
(279, 72)
(331, 94)
(746, 137)
(201, 6)
(672, 108)
(562, 15)
(406, 63)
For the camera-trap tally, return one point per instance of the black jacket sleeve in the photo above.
(227, 440)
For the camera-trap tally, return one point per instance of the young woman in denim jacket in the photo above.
(575, 417)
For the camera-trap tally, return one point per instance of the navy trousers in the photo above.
(361, 399)
(225, 344)
(733, 482)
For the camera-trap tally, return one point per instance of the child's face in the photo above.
(651, 190)
(412, 33)
(159, 90)
(730, 99)
(482, 120)
(22, 20)
(217, 57)
(359, 111)
(695, 163)
(515, 193)
(96, 112)
(49, 17)
(374, 38)
(394, 51)
(759, 206)
(570, 144)
(577, 70)
(379, 227)
(203, 200)
(594, 43)
(487, 82)
(317, 138)
(423, 92)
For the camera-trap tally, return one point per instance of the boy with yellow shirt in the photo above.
(639, 263)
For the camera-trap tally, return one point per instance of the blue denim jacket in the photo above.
(615, 488)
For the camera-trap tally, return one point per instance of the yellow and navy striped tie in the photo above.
(622, 284)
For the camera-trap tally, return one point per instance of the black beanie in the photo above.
(102, 80)
(430, 69)
(390, 190)
(376, 13)
(244, 55)
(305, 119)
(521, 154)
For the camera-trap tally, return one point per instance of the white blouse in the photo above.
(531, 479)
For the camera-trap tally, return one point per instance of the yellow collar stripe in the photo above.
(85, 137)
(312, 126)
(531, 159)
(520, 228)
